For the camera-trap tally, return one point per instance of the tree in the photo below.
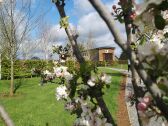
(90, 45)
(46, 39)
(16, 22)
(27, 48)
(85, 69)
(126, 14)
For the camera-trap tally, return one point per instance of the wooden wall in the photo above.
(102, 51)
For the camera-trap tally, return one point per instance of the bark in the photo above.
(129, 40)
(5, 117)
(81, 60)
(0, 67)
(151, 86)
(12, 51)
(12, 78)
(72, 38)
(133, 71)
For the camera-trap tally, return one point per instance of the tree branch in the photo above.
(5, 117)
(72, 38)
(81, 60)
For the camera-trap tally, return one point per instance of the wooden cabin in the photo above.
(100, 54)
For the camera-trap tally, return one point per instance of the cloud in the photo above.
(91, 23)
(59, 33)
(82, 7)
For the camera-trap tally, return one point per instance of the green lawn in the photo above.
(36, 105)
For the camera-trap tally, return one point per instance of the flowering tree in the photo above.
(85, 97)
(147, 54)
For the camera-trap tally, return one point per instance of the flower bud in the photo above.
(114, 7)
(142, 106)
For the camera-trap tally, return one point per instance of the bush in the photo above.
(22, 68)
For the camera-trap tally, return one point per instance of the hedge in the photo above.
(22, 68)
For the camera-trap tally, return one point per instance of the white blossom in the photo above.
(46, 72)
(59, 71)
(165, 14)
(147, 49)
(105, 78)
(98, 111)
(91, 83)
(67, 76)
(88, 117)
(140, 8)
(61, 92)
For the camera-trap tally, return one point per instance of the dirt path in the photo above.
(122, 114)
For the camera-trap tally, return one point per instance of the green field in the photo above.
(35, 105)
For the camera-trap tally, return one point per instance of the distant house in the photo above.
(101, 54)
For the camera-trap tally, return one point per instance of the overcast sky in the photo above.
(85, 19)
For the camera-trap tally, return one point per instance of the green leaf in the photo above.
(160, 23)
(163, 87)
(164, 5)
(143, 40)
(133, 46)
(64, 22)
(165, 98)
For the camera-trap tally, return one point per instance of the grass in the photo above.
(35, 105)
(120, 66)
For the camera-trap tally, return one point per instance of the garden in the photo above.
(84, 63)
(34, 105)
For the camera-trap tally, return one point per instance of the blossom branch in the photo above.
(72, 38)
(151, 86)
(81, 60)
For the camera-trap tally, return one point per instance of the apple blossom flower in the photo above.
(105, 78)
(46, 72)
(142, 106)
(70, 106)
(147, 49)
(91, 83)
(67, 76)
(146, 100)
(98, 111)
(61, 92)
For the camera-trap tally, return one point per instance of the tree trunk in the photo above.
(12, 78)
(0, 67)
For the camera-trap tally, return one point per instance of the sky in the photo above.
(84, 18)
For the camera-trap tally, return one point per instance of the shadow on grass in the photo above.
(18, 84)
(115, 74)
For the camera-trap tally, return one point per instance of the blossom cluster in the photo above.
(90, 117)
(104, 78)
(62, 72)
(61, 92)
(89, 114)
